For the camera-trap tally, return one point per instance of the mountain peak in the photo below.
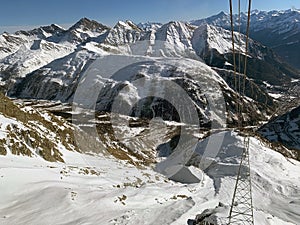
(176, 23)
(84, 20)
(295, 10)
(129, 25)
(53, 28)
(87, 24)
(222, 13)
(42, 31)
(255, 11)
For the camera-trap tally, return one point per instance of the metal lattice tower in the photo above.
(241, 211)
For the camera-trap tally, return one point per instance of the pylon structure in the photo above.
(241, 211)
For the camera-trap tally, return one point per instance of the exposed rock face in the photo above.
(284, 129)
(60, 81)
(25, 131)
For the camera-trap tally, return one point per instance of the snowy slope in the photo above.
(172, 39)
(211, 37)
(10, 43)
(27, 59)
(57, 80)
(101, 190)
(25, 131)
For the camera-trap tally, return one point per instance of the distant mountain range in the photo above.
(48, 62)
(279, 30)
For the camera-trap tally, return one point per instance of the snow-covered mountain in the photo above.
(51, 61)
(172, 39)
(29, 58)
(279, 30)
(56, 59)
(10, 43)
(176, 38)
(59, 81)
(123, 33)
(26, 51)
(80, 32)
(264, 64)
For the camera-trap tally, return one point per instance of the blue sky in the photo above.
(16, 14)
